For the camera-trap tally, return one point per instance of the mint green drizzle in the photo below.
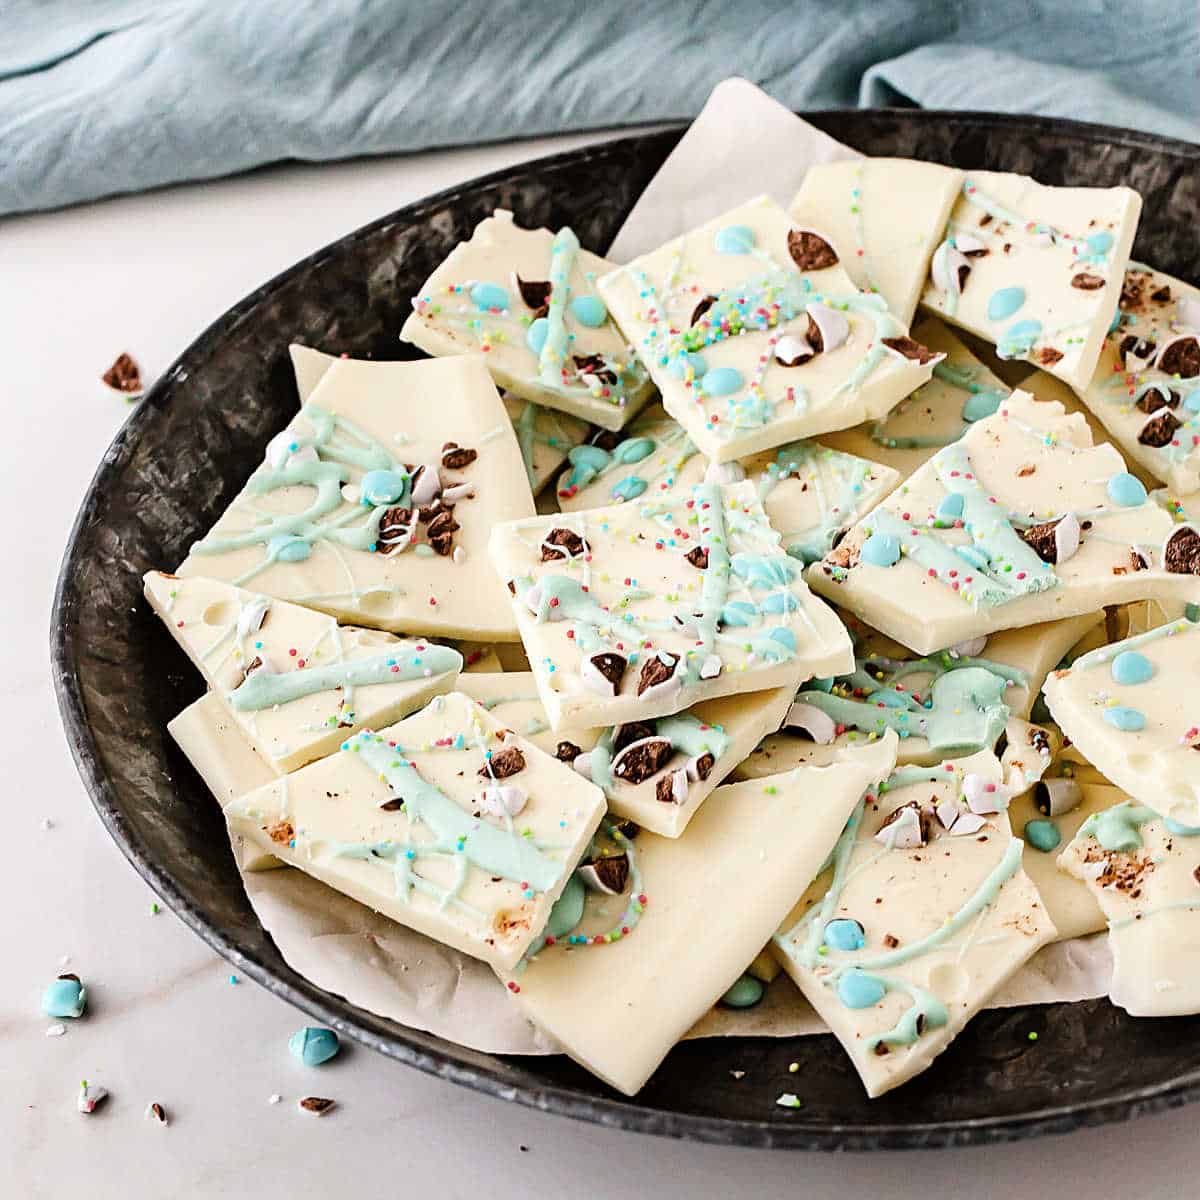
(553, 356)
(1105, 654)
(1118, 829)
(265, 689)
(925, 1012)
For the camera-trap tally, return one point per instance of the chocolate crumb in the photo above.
(1048, 356)
(281, 832)
(1087, 282)
(986, 219)
(393, 805)
(567, 752)
(1025, 471)
(317, 1104)
(159, 1113)
(441, 533)
(609, 873)
(503, 763)
(1131, 289)
(655, 671)
(572, 545)
(810, 251)
(455, 457)
(394, 526)
(909, 348)
(698, 557)
(1040, 539)
(1139, 347)
(890, 941)
(124, 375)
(1159, 430)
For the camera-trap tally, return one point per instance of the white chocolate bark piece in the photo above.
(443, 822)
(654, 772)
(956, 701)
(811, 494)
(1020, 521)
(642, 610)
(924, 915)
(526, 300)
(1144, 871)
(543, 435)
(884, 217)
(1146, 389)
(939, 412)
(711, 899)
(227, 762)
(332, 519)
(728, 320)
(1133, 709)
(1046, 818)
(1035, 270)
(294, 681)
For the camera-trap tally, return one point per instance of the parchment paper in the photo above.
(347, 949)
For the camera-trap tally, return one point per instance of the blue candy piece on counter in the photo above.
(65, 997)
(745, 993)
(313, 1045)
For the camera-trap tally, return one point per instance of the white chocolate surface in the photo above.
(748, 621)
(215, 624)
(408, 411)
(713, 897)
(1029, 461)
(1035, 243)
(943, 925)
(654, 300)
(447, 320)
(884, 216)
(326, 820)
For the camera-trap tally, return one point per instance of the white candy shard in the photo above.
(948, 813)
(983, 796)
(904, 833)
(792, 350)
(971, 648)
(1066, 538)
(968, 243)
(89, 1098)
(428, 484)
(253, 613)
(966, 824)
(834, 327)
(1054, 797)
(817, 724)
(501, 800)
(711, 667)
(730, 472)
(947, 265)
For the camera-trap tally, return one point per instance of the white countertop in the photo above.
(164, 1024)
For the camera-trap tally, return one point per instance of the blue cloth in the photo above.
(118, 95)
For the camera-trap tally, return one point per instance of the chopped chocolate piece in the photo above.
(455, 457)
(611, 666)
(281, 832)
(1025, 471)
(503, 763)
(1137, 560)
(608, 874)
(792, 351)
(1159, 430)
(607, 440)
(1181, 555)
(704, 765)
(702, 308)
(567, 752)
(1131, 288)
(1162, 295)
(1139, 347)
(891, 941)
(810, 251)
(572, 545)
(536, 294)
(1087, 282)
(910, 348)
(813, 336)
(655, 671)
(631, 731)
(986, 219)
(441, 532)
(1040, 539)
(317, 1104)
(1151, 400)
(393, 805)
(159, 1113)
(124, 375)
(512, 588)
(698, 557)
(845, 556)
(642, 759)
(594, 364)
(1182, 358)
(664, 789)
(394, 528)
(1048, 356)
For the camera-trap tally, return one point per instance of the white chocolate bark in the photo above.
(303, 530)
(544, 436)
(884, 217)
(550, 341)
(1043, 268)
(295, 682)
(712, 898)
(963, 697)
(920, 920)
(1146, 389)
(960, 568)
(473, 861)
(657, 772)
(1145, 873)
(1133, 709)
(720, 368)
(620, 625)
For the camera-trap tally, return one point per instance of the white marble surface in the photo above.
(164, 1023)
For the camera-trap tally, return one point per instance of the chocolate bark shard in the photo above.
(611, 666)
(655, 671)
(503, 763)
(909, 348)
(1181, 555)
(124, 375)
(1087, 282)
(1159, 430)
(456, 457)
(1182, 358)
(630, 732)
(608, 874)
(567, 752)
(810, 251)
(643, 759)
(570, 544)
(536, 294)
(698, 557)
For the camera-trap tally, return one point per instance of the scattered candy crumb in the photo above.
(788, 1100)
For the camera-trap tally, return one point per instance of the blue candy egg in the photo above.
(951, 508)
(1042, 835)
(844, 934)
(1126, 490)
(679, 365)
(745, 993)
(1130, 667)
(880, 550)
(629, 488)
(568, 909)
(313, 1045)
(1004, 302)
(633, 450)
(535, 335)
(487, 296)
(589, 311)
(65, 997)
(857, 989)
(286, 548)
(721, 381)
(982, 404)
(383, 487)
(734, 239)
(1127, 720)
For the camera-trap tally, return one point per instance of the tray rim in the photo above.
(608, 1111)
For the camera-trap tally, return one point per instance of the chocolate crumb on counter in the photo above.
(124, 375)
